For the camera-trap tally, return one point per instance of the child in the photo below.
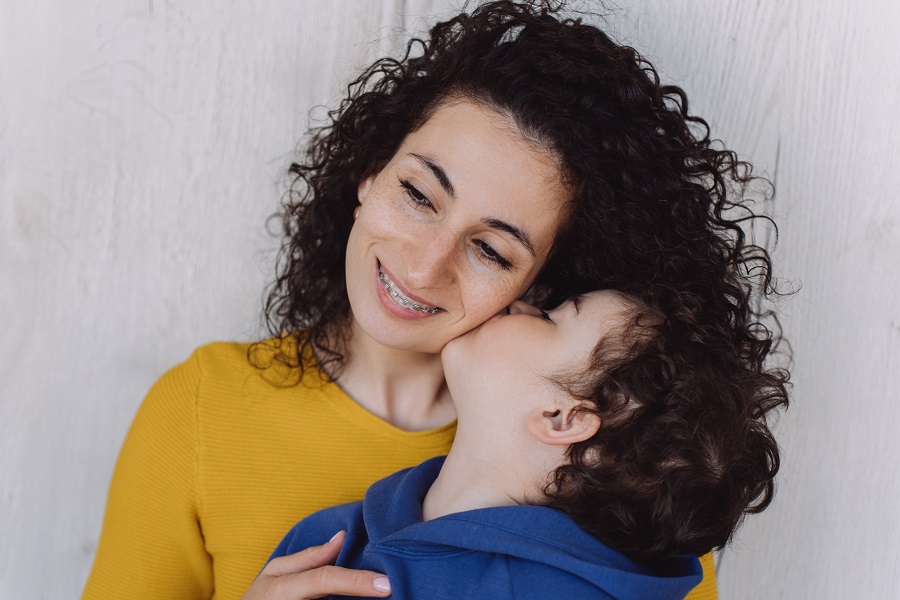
(558, 484)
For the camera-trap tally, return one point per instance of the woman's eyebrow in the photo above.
(437, 171)
(511, 229)
(442, 178)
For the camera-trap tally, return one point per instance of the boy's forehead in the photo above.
(602, 304)
(599, 315)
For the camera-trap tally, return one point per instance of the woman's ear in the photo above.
(564, 425)
(364, 186)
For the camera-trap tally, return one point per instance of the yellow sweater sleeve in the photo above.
(151, 545)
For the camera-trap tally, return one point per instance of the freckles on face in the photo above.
(455, 227)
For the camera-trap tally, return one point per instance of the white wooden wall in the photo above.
(141, 146)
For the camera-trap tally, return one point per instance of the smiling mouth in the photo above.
(401, 300)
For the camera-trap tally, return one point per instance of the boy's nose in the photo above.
(520, 307)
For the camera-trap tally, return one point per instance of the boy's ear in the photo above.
(564, 425)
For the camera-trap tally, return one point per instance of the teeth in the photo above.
(401, 299)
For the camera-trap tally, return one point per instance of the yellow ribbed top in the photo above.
(219, 464)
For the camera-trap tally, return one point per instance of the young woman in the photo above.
(512, 153)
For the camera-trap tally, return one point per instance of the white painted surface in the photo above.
(141, 145)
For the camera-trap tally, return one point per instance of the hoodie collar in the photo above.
(393, 516)
(395, 502)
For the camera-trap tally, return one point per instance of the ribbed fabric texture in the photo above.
(219, 464)
(707, 589)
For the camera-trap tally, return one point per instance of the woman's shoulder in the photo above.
(222, 356)
(274, 359)
(219, 383)
(179, 388)
(170, 413)
(222, 371)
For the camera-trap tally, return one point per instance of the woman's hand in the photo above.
(311, 574)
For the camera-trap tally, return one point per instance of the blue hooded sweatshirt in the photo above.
(521, 552)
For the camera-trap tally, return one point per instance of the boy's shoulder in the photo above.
(524, 552)
(319, 527)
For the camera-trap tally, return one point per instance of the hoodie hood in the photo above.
(392, 513)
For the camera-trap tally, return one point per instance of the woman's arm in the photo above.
(151, 545)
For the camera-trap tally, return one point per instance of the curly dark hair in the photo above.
(684, 450)
(656, 210)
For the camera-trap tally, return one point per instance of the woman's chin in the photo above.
(389, 333)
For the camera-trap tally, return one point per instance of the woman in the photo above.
(510, 154)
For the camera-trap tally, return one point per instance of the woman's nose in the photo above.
(430, 262)
(520, 307)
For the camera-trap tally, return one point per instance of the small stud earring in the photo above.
(356, 211)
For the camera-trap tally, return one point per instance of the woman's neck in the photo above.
(406, 389)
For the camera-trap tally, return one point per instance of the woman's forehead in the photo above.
(475, 155)
(464, 133)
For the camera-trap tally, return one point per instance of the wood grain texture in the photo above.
(141, 150)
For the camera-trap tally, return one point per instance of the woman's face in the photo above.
(452, 230)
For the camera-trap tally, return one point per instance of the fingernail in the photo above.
(382, 584)
(334, 537)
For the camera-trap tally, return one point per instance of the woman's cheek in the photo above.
(492, 296)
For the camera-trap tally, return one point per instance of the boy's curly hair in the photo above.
(684, 449)
(656, 211)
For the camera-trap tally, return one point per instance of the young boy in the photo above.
(575, 472)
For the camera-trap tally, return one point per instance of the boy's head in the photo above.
(505, 376)
(645, 437)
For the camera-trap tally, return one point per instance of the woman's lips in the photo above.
(398, 300)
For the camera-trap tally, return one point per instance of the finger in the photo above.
(330, 580)
(310, 558)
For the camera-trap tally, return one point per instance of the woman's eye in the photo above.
(492, 255)
(415, 196)
(545, 316)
